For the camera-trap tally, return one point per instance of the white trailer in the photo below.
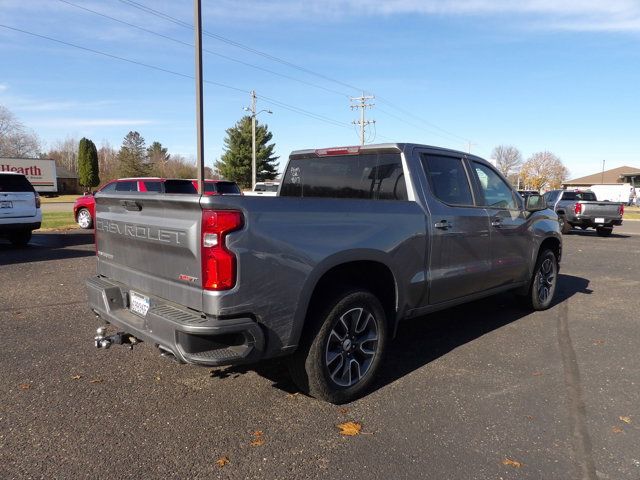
(41, 172)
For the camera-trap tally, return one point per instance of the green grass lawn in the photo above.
(58, 220)
(631, 213)
(59, 198)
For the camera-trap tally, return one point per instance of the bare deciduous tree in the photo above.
(15, 139)
(65, 153)
(508, 159)
(543, 170)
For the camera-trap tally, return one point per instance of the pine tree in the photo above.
(158, 158)
(235, 163)
(88, 169)
(132, 157)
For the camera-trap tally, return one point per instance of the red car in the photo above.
(84, 207)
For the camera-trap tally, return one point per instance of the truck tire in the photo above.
(604, 231)
(565, 227)
(342, 348)
(84, 219)
(20, 239)
(543, 282)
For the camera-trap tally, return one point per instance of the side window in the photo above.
(127, 186)
(153, 186)
(447, 179)
(568, 195)
(496, 192)
(109, 187)
(390, 182)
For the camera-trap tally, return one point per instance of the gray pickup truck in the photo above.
(357, 239)
(582, 209)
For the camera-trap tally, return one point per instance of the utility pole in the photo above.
(254, 168)
(197, 13)
(254, 114)
(469, 145)
(362, 105)
(602, 177)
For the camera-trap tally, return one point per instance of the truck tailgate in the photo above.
(600, 209)
(151, 243)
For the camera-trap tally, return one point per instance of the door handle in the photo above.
(496, 222)
(443, 225)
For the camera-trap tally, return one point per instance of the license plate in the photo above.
(599, 220)
(139, 304)
(6, 204)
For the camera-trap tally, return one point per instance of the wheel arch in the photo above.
(371, 272)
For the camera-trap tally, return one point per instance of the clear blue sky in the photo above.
(536, 74)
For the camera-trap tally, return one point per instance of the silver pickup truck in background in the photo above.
(358, 239)
(582, 209)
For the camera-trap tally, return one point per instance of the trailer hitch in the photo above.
(120, 338)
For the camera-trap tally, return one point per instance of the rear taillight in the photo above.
(218, 263)
(37, 201)
(621, 209)
(577, 209)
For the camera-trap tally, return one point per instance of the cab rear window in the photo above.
(369, 176)
(15, 183)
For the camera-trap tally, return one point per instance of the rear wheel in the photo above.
(340, 354)
(20, 239)
(565, 227)
(84, 218)
(543, 282)
(604, 231)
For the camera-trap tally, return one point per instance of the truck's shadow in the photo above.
(592, 233)
(49, 246)
(422, 340)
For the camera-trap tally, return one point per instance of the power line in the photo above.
(274, 58)
(410, 114)
(236, 44)
(286, 106)
(211, 52)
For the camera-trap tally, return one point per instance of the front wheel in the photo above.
(543, 282)
(84, 218)
(341, 352)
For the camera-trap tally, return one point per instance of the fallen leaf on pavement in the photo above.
(616, 430)
(511, 463)
(343, 411)
(625, 419)
(96, 380)
(350, 428)
(222, 461)
(257, 442)
(76, 377)
(598, 342)
(537, 374)
(25, 386)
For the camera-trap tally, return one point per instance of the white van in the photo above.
(20, 211)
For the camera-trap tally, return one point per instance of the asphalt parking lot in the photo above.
(482, 391)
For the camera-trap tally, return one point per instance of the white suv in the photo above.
(20, 212)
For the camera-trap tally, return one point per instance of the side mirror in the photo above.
(535, 203)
